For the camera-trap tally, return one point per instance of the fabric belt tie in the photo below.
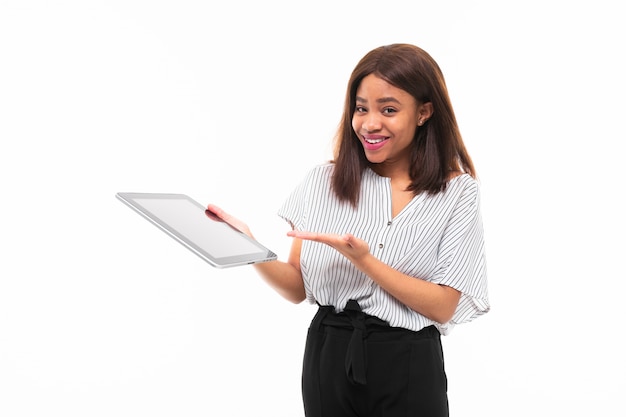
(355, 356)
(362, 325)
(352, 318)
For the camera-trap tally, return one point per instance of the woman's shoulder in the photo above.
(462, 178)
(464, 184)
(324, 169)
(327, 166)
(317, 176)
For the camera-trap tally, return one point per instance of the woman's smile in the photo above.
(374, 142)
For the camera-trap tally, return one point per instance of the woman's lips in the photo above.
(374, 142)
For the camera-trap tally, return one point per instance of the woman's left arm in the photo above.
(437, 302)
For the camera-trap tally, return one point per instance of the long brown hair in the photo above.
(437, 149)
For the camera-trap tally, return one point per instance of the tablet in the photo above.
(187, 221)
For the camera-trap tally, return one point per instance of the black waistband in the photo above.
(362, 325)
(352, 317)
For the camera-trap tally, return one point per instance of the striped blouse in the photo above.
(437, 238)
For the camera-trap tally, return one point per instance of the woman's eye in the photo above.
(360, 109)
(389, 110)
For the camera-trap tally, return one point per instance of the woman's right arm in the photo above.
(284, 277)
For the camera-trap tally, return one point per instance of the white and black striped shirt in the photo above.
(437, 238)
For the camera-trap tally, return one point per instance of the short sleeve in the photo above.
(293, 209)
(313, 191)
(461, 262)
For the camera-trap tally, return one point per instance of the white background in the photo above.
(101, 314)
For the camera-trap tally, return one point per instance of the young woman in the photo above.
(388, 241)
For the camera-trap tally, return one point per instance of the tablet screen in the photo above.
(185, 219)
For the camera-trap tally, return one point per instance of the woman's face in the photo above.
(385, 120)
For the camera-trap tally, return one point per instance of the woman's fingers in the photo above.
(212, 209)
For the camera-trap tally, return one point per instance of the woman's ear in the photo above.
(424, 112)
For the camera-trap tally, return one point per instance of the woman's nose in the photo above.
(371, 123)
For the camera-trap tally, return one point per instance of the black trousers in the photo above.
(357, 365)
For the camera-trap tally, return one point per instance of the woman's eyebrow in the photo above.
(379, 100)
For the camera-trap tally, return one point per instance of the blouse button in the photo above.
(380, 246)
(389, 223)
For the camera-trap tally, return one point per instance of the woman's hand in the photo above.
(233, 221)
(284, 277)
(434, 301)
(349, 246)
